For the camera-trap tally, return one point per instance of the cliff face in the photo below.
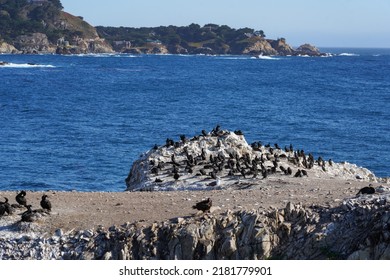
(34, 43)
(84, 40)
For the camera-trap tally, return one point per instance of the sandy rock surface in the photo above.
(81, 211)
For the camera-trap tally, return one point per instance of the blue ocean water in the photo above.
(79, 122)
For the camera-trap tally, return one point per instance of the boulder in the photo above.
(259, 46)
(209, 161)
(282, 47)
(7, 48)
(308, 50)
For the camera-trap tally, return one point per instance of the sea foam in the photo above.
(27, 65)
(348, 54)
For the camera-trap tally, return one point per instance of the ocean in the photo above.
(79, 122)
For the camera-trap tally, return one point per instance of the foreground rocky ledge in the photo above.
(260, 211)
(357, 229)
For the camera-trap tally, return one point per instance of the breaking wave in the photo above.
(266, 57)
(26, 65)
(348, 54)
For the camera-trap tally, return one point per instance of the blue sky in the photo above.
(331, 23)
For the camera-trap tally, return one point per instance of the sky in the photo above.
(331, 23)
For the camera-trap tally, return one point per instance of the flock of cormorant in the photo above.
(29, 215)
(219, 162)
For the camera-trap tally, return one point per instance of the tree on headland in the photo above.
(57, 4)
(192, 36)
(259, 33)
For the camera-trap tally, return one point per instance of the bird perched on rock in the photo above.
(204, 205)
(2, 209)
(21, 198)
(5, 207)
(366, 190)
(298, 174)
(45, 203)
(29, 215)
(215, 183)
(176, 176)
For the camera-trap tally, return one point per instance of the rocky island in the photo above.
(267, 202)
(42, 27)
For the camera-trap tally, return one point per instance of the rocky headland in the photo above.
(42, 27)
(260, 209)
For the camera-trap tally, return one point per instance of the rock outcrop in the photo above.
(308, 50)
(210, 39)
(219, 159)
(41, 27)
(252, 46)
(7, 48)
(34, 44)
(177, 49)
(357, 229)
(84, 46)
(259, 46)
(281, 47)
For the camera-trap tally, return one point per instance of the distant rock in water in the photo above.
(194, 164)
(308, 50)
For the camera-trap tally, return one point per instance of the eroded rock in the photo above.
(303, 233)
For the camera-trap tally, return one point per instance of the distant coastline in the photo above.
(42, 27)
(38, 43)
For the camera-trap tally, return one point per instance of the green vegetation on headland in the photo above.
(41, 26)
